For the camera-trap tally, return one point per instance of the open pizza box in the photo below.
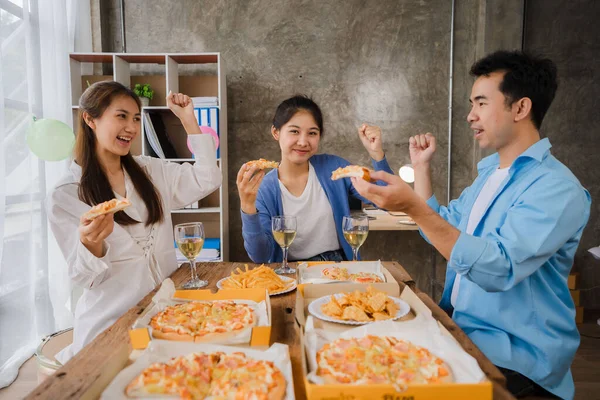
(311, 272)
(163, 350)
(258, 335)
(418, 327)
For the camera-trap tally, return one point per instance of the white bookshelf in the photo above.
(194, 74)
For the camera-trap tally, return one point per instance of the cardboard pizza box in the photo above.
(260, 336)
(307, 293)
(573, 280)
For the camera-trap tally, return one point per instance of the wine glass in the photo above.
(190, 239)
(356, 230)
(284, 232)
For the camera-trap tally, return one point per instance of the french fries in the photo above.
(260, 277)
(368, 306)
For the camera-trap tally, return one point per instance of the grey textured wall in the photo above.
(384, 62)
(568, 32)
(381, 62)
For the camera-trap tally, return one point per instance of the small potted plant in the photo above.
(144, 92)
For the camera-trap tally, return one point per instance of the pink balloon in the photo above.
(206, 130)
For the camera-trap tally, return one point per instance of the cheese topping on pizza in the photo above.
(107, 207)
(216, 375)
(261, 163)
(194, 320)
(379, 359)
(342, 274)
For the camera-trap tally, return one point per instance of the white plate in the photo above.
(315, 309)
(407, 222)
(284, 278)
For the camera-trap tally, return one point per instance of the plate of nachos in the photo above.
(358, 308)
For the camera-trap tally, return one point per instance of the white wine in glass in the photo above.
(190, 240)
(284, 238)
(356, 230)
(284, 232)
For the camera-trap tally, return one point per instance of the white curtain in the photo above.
(35, 37)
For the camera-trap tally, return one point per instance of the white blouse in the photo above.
(136, 258)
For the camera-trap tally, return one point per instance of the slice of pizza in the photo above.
(365, 277)
(187, 377)
(180, 322)
(110, 206)
(335, 273)
(239, 377)
(225, 320)
(351, 171)
(263, 164)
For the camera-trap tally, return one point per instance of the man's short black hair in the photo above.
(525, 76)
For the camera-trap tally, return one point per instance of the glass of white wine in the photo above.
(190, 239)
(284, 232)
(356, 230)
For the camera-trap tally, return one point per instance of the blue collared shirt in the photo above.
(514, 302)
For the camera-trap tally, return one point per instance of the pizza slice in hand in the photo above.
(263, 164)
(111, 206)
(351, 171)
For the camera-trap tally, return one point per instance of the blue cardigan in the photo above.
(256, 228)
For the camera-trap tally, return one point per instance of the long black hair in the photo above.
(94, 187)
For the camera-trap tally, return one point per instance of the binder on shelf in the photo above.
(209, 116)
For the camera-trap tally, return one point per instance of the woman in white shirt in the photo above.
(117, 259)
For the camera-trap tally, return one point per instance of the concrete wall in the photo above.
(384, 62)
(568, 32)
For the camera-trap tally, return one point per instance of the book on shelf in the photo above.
(209, 116)
(210, 251)
(193, 206)
(204, 102)
(205, 255)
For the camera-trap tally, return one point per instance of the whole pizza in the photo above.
(380, 359)
(202, 321)
(215, 375)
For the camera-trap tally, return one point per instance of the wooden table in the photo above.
(90, 371)
(387, 222)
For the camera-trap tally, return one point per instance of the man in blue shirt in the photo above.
(510, 238)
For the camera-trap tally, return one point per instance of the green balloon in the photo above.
(50, 140)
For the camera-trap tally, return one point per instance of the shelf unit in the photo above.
(194, 74)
